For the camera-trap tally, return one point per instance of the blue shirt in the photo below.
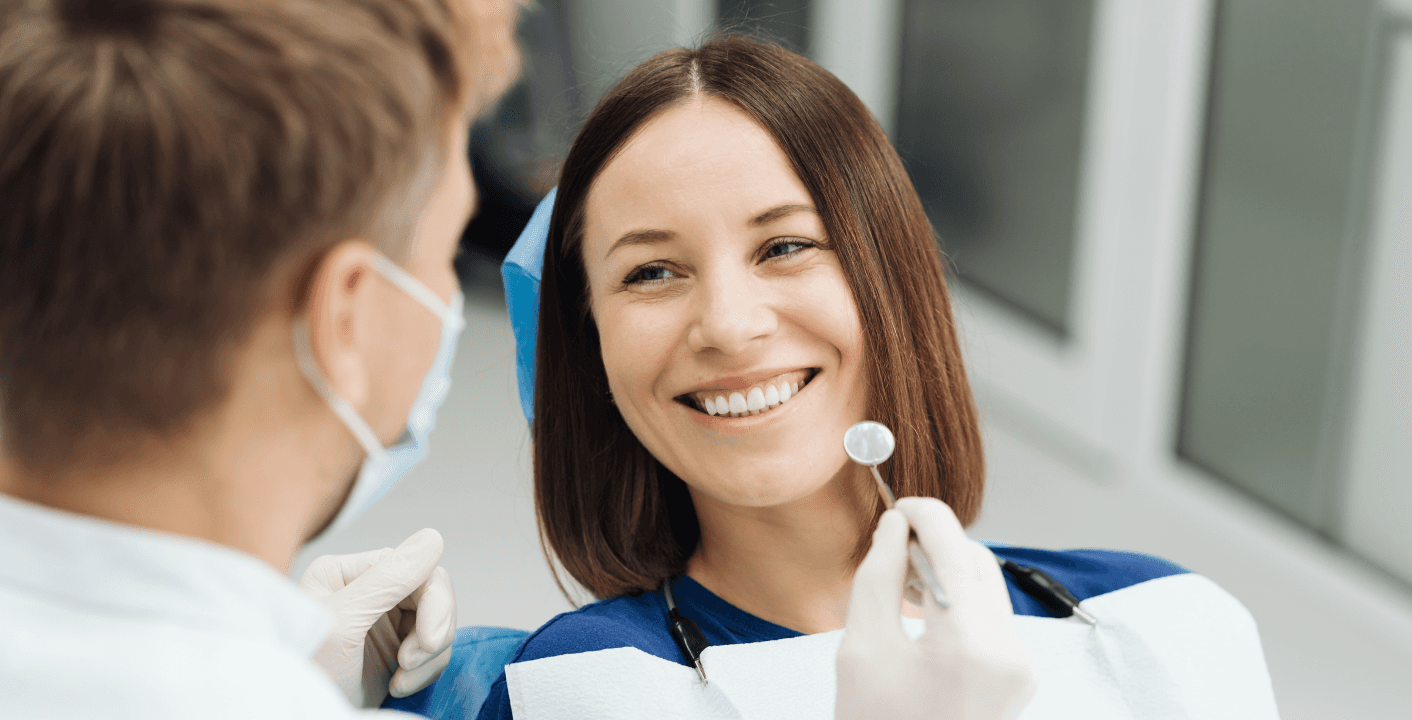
(641, 621)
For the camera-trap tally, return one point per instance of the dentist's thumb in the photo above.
(394, 576)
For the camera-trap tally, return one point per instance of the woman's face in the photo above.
(730, 338)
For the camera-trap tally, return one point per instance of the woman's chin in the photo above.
(756, 489)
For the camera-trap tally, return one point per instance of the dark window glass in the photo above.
(991, 108)
(1288, 113)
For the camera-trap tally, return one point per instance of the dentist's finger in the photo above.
(330, 573)
(945, 543)
(992, 577)
(406, 682)
(396, 575)
(435, 629)
(877, 584)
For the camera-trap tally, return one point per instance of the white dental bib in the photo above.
(1177, 647)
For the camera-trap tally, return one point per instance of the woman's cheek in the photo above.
(824, 303)
(612, 341)
(635, 343)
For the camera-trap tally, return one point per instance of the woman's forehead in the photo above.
(703, 161)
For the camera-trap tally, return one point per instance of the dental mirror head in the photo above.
(869, 443)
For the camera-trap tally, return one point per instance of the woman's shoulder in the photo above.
(638, 621)
(1085, 573)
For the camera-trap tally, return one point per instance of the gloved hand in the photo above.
(969, 664)
(393, 610)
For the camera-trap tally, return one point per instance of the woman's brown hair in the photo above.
(615, 518)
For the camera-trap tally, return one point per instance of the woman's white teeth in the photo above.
(737, 405)
(754, 401)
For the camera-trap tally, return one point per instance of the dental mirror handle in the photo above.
(917, 557)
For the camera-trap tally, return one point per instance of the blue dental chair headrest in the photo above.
(521, 271)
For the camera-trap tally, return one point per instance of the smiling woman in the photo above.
(737, 269)
(733, 226)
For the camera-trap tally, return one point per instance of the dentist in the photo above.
(227, 317)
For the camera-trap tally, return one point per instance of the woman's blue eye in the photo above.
(782, 249)
(651, 273)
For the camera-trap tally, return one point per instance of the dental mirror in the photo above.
(870, 444)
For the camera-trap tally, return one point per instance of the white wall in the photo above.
(1378, 508)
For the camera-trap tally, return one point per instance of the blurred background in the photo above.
(1182, 238)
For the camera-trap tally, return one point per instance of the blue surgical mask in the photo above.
(383, 467)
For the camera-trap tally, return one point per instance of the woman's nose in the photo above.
(731, 315)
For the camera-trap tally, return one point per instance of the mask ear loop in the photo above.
(304, 352)
(414, 287)
(304, 355)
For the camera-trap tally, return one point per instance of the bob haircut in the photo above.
(617, 520)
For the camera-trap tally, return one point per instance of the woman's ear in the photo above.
(339, 309)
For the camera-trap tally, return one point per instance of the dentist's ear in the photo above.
(339, 310)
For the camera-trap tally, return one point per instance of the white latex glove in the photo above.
(969, 664)
(393, 610)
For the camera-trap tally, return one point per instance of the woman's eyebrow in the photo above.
(641, 237)
(779, 211)
(650, 237)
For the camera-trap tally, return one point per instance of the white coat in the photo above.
(103, 620)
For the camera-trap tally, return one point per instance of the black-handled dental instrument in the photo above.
(1049, 592)
(685, 631)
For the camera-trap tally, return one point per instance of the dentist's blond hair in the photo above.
(164, 162)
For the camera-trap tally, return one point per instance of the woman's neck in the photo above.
(789, 564)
